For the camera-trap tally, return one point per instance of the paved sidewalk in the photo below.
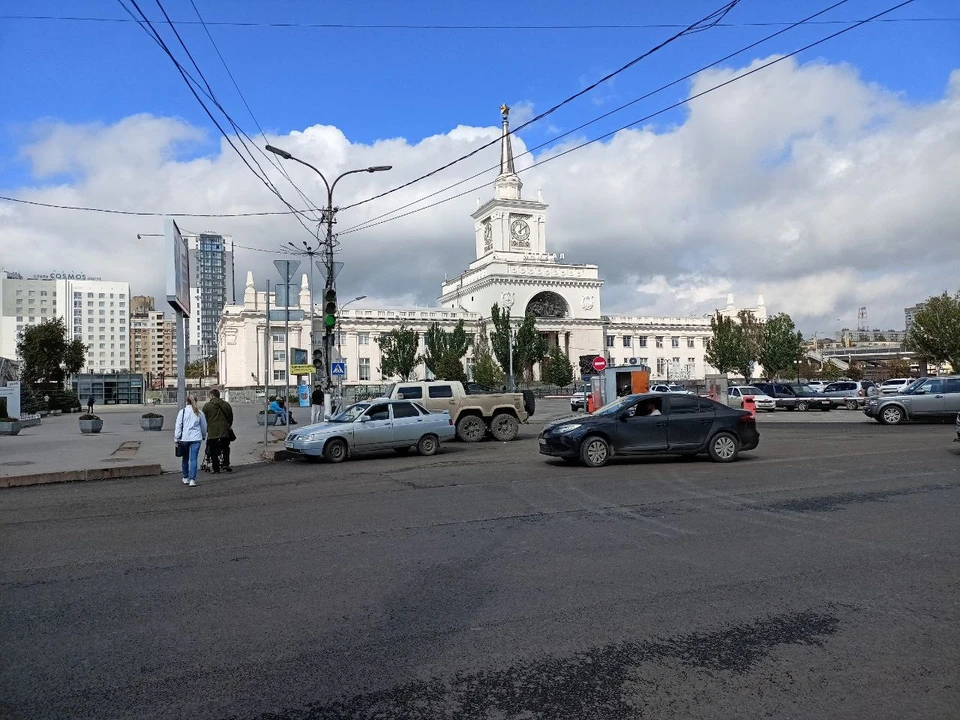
(58, 446)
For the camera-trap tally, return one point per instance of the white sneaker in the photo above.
(193, 484)
(186, 480)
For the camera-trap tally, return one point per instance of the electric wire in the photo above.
(136, 213)
(704, 23)
(374, 26)
(278, 165)
(640, 120)
(607, 114)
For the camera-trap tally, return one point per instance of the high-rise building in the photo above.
(93, 310)
(152, 341)
(910, 314)
(211, 288)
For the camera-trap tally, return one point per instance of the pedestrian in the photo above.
(90, 405)
(219, 416)
(189, 432)
(316, 405)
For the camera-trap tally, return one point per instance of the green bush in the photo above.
(87, 416)
(151, 415)
(64, 400)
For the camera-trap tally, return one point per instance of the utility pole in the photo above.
(330, 284)
(266, 369)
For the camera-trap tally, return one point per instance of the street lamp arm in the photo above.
(372, 169)
(288, 156)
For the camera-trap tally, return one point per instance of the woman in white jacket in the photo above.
(190, 431)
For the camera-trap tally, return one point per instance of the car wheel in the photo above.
(504, 427)
(573, 408)
(850, 404)
(803, 406)
(428, 445)
(401, 451)
(724, 448)
(594, 452)
(471, 429)
(891, 415)
(335, 451)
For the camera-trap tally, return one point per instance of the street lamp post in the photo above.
(340, 353)
(328, 252)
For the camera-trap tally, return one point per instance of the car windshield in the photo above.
(351, 413)
(909, 389)
(893, 382)
(615, 407)
(388, 393)
(751, 390)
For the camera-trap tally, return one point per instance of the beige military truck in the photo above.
(472, 414)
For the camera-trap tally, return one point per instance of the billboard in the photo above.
(178, 268)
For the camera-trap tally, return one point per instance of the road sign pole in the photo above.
(266, 370)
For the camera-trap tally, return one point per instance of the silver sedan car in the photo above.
(370, 426)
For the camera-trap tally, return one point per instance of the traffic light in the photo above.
(318, 359)
(329, 308)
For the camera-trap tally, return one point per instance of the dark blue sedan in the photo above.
(652, 424)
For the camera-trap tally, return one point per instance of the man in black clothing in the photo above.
(316, 405)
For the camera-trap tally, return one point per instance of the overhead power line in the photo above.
(701, 24)
(139, 213)
(385, 26)
(640, 120)
(607, 114)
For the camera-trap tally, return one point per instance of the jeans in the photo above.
(316, 414)
(191, 450)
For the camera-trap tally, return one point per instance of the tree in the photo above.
(486, 371)
(830, 372)
(752, 331)
(935, 333)
(445, 351)
(530, 348)
(47, 356)
(201, 368)
(782, 345)
(898, 368)
(855, 371)
(557, 368)
(726, 350)
(500, 337)
(398, 352)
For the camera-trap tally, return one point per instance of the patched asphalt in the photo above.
(817, 577)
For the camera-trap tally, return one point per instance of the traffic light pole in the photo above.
(329, 289)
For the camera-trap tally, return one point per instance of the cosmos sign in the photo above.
(64, 276)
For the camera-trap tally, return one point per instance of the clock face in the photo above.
(519, 230)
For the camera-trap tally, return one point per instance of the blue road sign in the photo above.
(338, 369)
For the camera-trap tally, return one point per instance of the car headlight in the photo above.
(567, 428)
(312, 437)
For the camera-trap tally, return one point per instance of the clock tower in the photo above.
(507, 223)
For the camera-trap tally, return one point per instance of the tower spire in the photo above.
(506, 147)
(508, 183)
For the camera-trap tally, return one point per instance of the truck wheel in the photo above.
(471, 429)
(504, 427)
(891, 415)
(529, 401)
(335, 451)
(594, 452)
(803, 406)
(428, 445)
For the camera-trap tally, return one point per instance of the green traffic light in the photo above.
(329, 320)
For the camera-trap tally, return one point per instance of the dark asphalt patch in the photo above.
(837, 501)
(600, 684)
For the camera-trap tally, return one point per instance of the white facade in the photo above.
(514, 269)
(98, 313)
(94, 311)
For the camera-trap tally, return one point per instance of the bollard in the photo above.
(589, 403)
(750, 405)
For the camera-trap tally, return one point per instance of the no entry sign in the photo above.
(599, 364)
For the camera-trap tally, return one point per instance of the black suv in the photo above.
(795, 397)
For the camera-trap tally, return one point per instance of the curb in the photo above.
(109, 473)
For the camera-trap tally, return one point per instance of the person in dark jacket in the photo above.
(316, 405)
(219, 417)
(90, 404)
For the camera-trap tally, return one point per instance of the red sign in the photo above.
(599, 364)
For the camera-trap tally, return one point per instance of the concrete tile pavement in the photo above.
(57, 445)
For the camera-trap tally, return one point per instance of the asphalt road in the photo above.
(816, 578)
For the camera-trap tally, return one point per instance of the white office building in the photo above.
(211, 289)
(93, 310)
(513, 268)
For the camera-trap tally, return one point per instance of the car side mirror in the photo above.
(364, 418)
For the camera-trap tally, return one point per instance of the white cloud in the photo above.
(804, 183)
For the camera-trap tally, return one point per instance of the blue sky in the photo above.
(837, 166)
(382, 83)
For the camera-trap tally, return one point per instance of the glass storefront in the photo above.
(109, 388)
